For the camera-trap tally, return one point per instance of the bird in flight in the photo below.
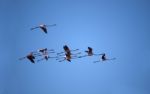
(104, 58)
(89, 52)
(30, 57)
(45, 52)
(43, 27)
(67, 54)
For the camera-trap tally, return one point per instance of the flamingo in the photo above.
(89, 52)
(68, 55)
(103, 58)
(30, 57)
(43, 27)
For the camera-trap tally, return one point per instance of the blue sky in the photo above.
(120, 28)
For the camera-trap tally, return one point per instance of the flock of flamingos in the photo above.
(68, 54)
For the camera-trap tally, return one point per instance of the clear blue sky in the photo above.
(120, 28)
